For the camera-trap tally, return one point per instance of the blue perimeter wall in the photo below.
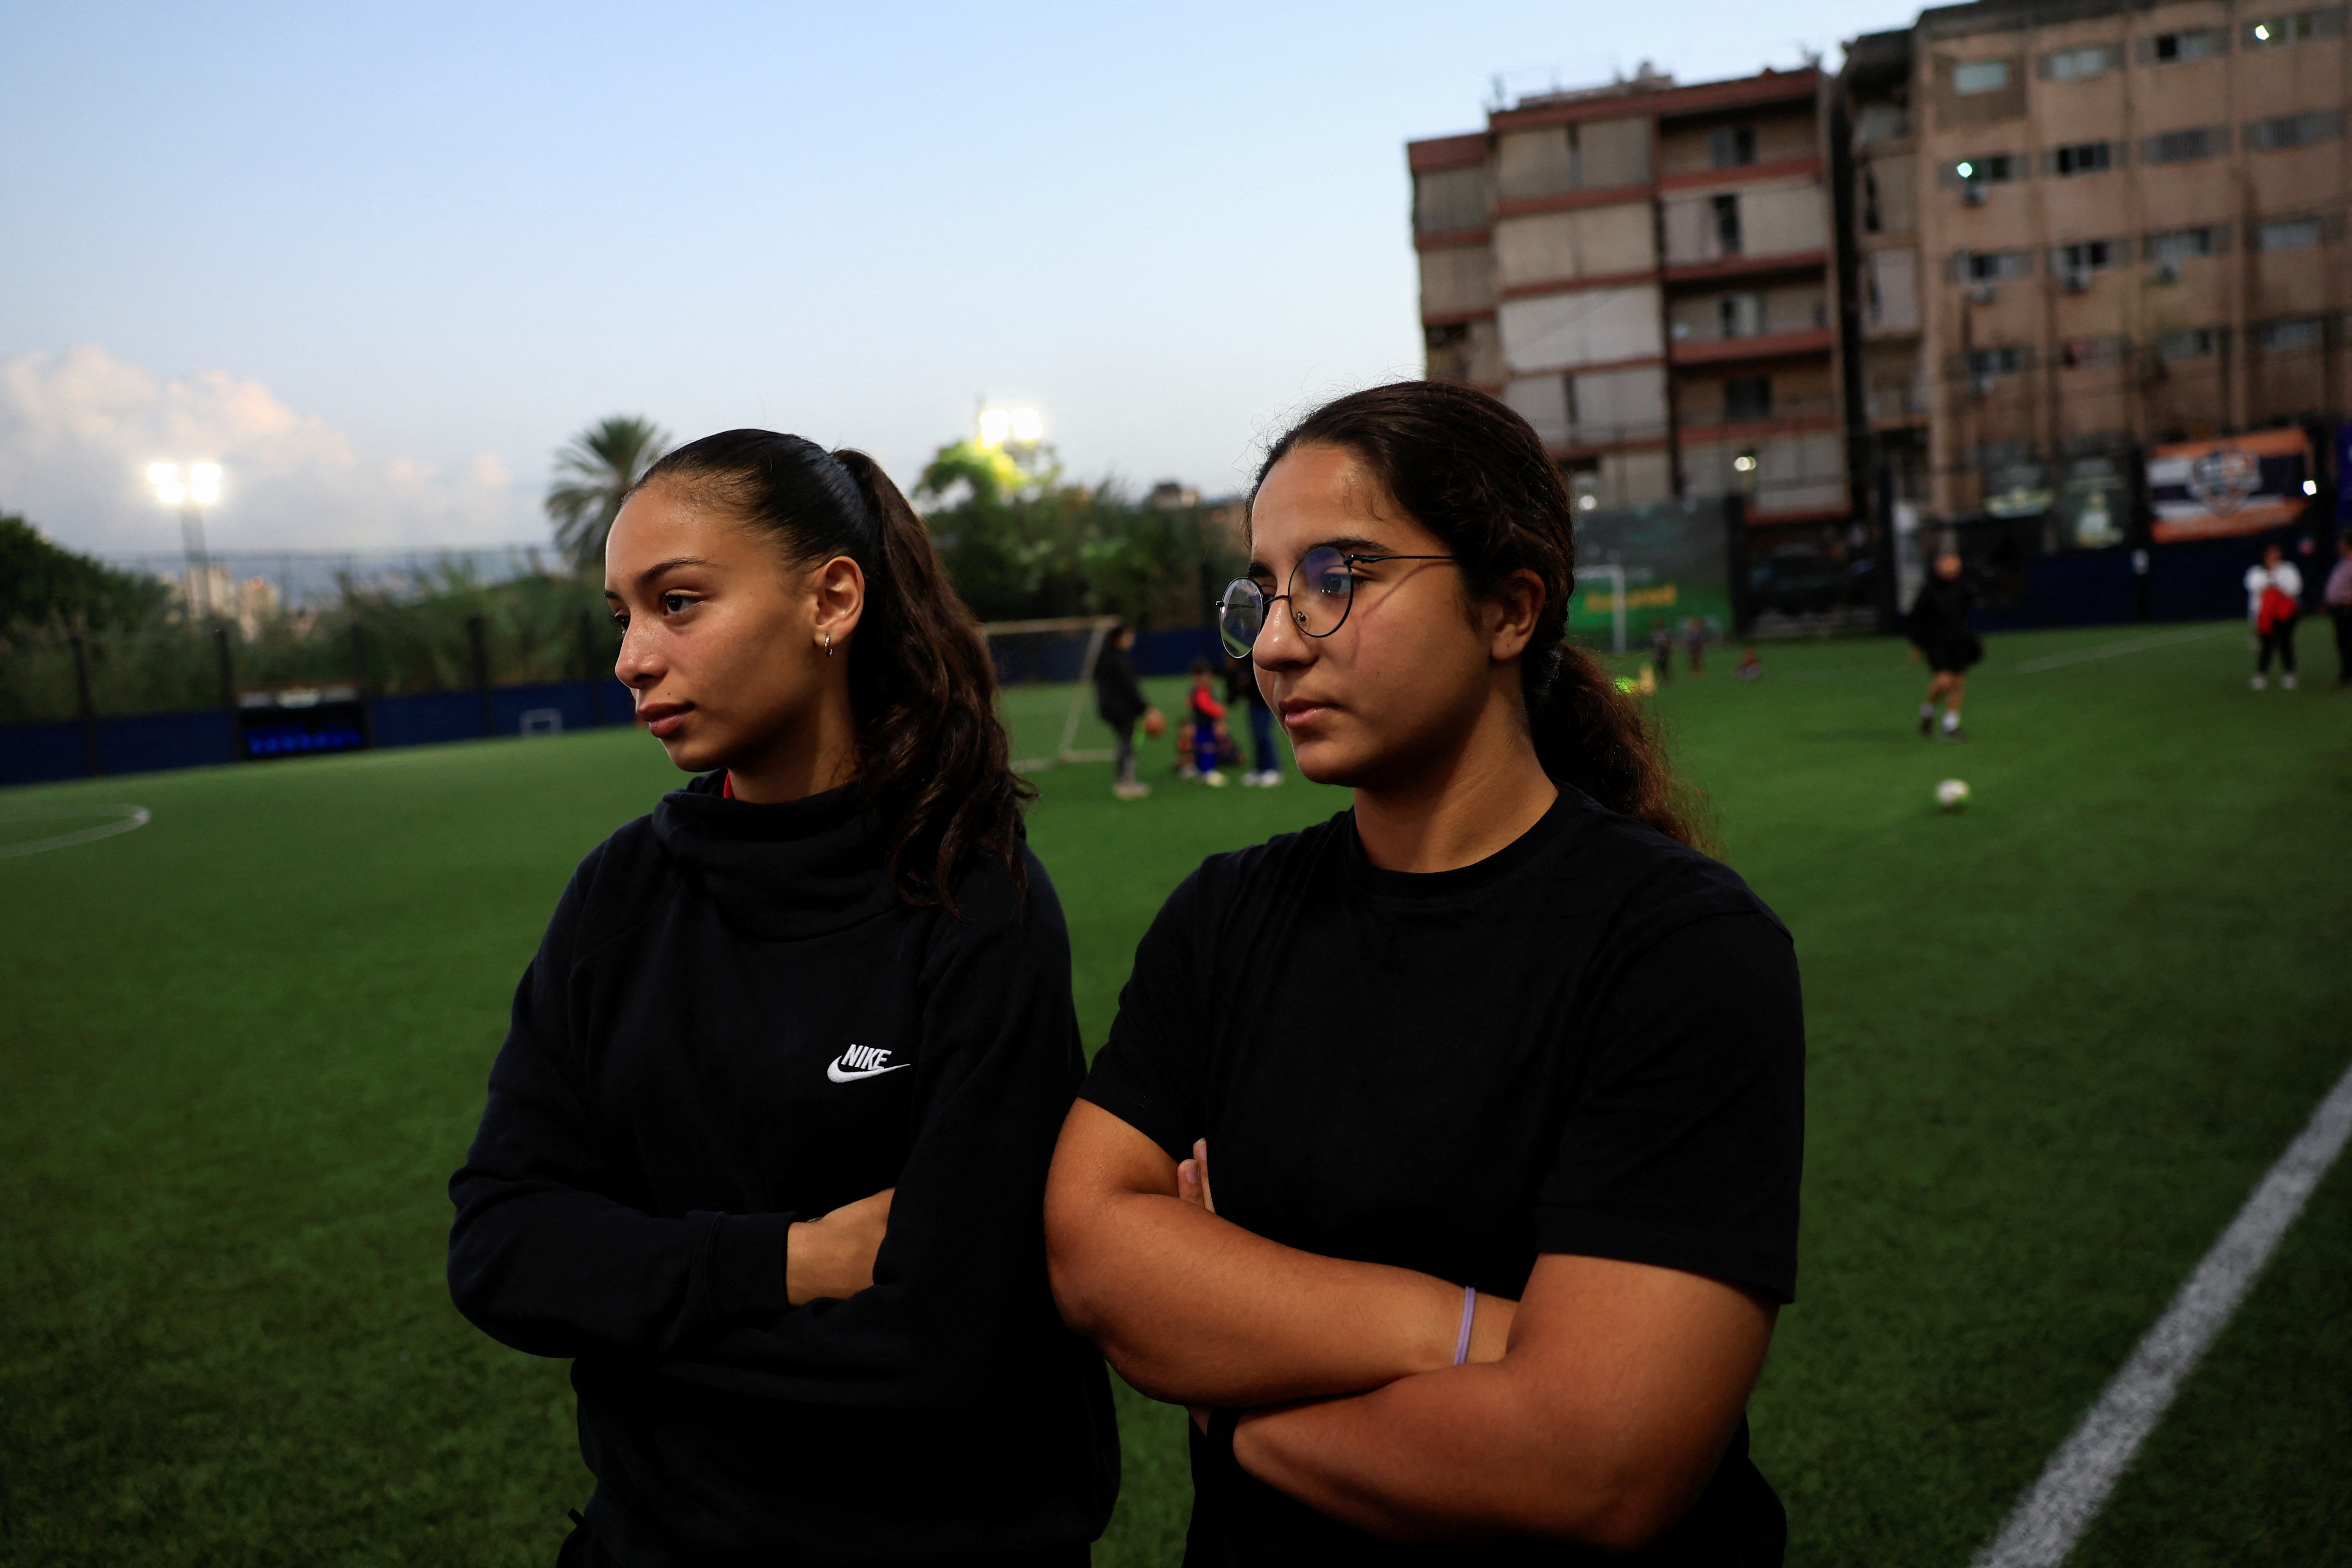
(152, 742)
(2196, 579)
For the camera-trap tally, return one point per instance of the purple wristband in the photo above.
(1469, 1311)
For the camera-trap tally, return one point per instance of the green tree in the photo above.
(42, 584)
(593, 471)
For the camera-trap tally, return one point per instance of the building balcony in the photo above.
(1759, 345)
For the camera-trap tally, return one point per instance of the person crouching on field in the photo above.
(1444, 1157)
(775, 1035)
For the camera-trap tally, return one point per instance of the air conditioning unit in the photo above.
(1975, 192)
(1986, 294)
(2078, 282)
(2165, 272)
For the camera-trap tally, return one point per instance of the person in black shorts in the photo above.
(1444, 1158)
(1940, 634)
(772, 1032)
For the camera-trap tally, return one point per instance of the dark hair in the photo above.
(1467, 467)
(932, 758)
(1200, 666)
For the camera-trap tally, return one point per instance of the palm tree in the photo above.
(593, 471)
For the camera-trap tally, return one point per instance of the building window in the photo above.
(2185, 146)
(1980, 76)
(2199, 342)
(2008, 360)
(1993, 169)
(1446, 335)
(2083, 158)
(2274, 32)
(1870, 219)
(2084, 255)
(1726, 224)
(2287, 234)
(2301, 333)
(1730, 147)
(1746, 398)
(2190, 44)
(1991, 455)
(1880, 122)
(2294, 129)
(2080, 65)
(1991, 266)
(2174, 246)
(2092, 354)
(1740, 315)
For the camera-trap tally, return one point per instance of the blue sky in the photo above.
(380, 261)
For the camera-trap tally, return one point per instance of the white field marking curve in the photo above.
(2050, 1518)
(127, 817)
(2136, 645)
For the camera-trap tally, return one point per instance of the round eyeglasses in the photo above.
(1322, 591)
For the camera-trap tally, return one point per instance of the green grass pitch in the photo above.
(2055, 1039)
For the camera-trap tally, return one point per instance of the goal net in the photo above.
(1044, 672)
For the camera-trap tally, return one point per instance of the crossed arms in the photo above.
(1594, 1410)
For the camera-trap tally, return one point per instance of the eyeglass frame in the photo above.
(1267, 601)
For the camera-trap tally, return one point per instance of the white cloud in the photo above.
(79, 429)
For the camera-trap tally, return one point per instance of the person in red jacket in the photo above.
(1206, 713)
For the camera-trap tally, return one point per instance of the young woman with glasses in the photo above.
(773, 1034)
(1444, 1158)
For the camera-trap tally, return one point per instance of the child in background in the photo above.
(1750, 667)
(1695, 643)
(1662, 650)
(1206, 714)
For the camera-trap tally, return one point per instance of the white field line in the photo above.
(2075, 1484)
(133, 816)
(2110, 649)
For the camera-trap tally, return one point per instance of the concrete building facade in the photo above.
(1647, 272)
(2086, 228)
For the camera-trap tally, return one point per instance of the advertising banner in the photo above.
(2233, 485)
(1673, 554)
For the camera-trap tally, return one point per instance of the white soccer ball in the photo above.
(1952, 793)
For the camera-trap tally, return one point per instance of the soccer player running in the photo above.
(772, 1033)
(1941, 634)
(1444, 1157)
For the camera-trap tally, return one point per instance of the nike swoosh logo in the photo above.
(839, 1074)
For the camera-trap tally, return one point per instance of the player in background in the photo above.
(1443, 1156)
(1205, 716)
(1120, 702)
(2338, 597)
(1241, 691)
(1939, 634)
(2274, 605)
(775, 1034)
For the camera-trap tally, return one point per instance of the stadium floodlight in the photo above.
(199, 489)
(2311, 487)
(1966, 170)
(1017, 426)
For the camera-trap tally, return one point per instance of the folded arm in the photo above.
(1600, 1424)
(1194, 1310)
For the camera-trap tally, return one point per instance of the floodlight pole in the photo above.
(192, 538)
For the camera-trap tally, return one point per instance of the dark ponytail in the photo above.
(1469, 469)
(933, 763)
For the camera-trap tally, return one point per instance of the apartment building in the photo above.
(1646, 271)
(2125, 227)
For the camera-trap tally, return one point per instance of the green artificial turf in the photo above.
(2055, 1040)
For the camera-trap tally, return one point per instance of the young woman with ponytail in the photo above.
(777, 1035)
(1499, 1076)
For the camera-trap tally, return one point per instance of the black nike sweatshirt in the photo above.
(732, 1023)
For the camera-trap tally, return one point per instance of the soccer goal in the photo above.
(1615, 575)
(1033, 659)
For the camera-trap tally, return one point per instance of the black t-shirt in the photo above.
(1591, 1043)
